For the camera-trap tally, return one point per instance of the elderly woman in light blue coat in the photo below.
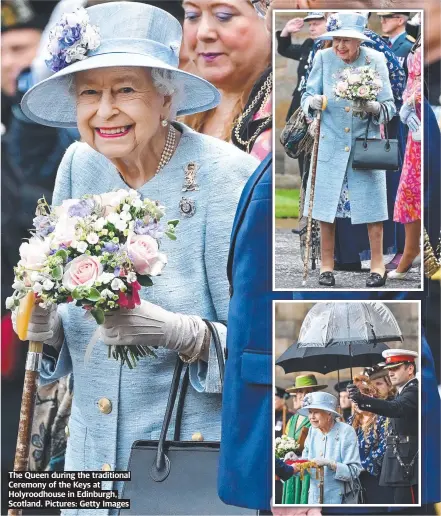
(123, 97)
(330, 444)
(341, 191)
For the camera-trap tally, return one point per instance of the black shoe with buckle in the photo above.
(327, 279)
(376, 280)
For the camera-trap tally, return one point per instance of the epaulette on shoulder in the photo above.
(410, 38)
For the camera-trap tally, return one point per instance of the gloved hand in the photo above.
(44, 326)
(405, 111)
(354, 393)
(290, 456)
(369, 106)
(325, 462)
(316, 102)
(413, 122)
(151, 325)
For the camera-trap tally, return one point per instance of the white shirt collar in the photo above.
(392, 40)
(402, 387)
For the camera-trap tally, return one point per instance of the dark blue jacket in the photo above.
(401, 48)
(246, 459)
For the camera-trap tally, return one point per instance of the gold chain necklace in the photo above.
(265, 92)
(168, 150)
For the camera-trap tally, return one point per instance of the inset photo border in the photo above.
(395, 197)
(322, 349)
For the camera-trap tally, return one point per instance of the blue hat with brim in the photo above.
(346, 25)
(130, 34)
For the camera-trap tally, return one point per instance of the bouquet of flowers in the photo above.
(96, 251)
(284, 445)
(358, 84)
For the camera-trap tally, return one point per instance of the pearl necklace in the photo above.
(168, 150)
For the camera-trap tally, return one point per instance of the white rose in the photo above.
(34, 253)
(144, 253)
(81, 247)
(92, 238)
(353, 78)
(113, 218)
(37, 288)
(65, 231)
(48, 284)
(99, 224)
(121, 225)
(111, 200)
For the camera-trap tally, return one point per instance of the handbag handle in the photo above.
(385, 112)
(161, 467)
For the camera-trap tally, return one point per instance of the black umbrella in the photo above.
(337, 336)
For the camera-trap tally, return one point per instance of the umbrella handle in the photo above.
(32, 374)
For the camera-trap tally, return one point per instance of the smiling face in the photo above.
(227, 40)
(346, 48)
(320, 419)
(119, 110)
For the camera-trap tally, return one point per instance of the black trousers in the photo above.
(406, 495)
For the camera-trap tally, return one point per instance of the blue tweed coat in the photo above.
(339, 129)
(194, 282)
(340, 444)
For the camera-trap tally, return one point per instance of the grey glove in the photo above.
(44, 326)
(370, 106)
(290, 456)
(150, 325)
(405, 111)
(316, 102)
(325, 462)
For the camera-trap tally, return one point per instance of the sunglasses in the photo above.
(261, 7)
(389, 16)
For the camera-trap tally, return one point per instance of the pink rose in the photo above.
(342, 86)
(363, 91)
(82, 271)
(144, 253)
(34, 253)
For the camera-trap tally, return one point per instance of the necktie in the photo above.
(389, 43)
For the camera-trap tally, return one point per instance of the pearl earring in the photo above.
(164, 123)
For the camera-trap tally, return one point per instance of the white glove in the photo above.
(325, 462)
(413, 122)
(316, 102)
(151, 325)
(405, 112)
(44, 326)
(370, 106)
(290, 456)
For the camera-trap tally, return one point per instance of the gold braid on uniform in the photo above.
(432, 264)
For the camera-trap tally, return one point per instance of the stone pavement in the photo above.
(289, 269)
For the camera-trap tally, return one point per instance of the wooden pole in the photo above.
(32, 374)
(321, 484)
(311, 196)
(284, 409)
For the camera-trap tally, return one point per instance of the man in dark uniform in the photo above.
(400, 464)
(393, 26)
(344, 403)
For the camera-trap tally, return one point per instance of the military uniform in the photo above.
(401, 48)
(400, 464)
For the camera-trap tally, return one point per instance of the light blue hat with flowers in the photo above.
(319, 401)
(113, 35)
(346, 25)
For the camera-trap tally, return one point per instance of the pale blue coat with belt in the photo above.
(339, 129)
(113, 405)
(340, 444)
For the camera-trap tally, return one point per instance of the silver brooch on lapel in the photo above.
(190, 184)
(187, 207)
(367, 60)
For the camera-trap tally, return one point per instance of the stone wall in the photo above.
(288, 321)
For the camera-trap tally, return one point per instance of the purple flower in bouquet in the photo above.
(153, 229)
(43, 225)
(110, 247)
(82, 209)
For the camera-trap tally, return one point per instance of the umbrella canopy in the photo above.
(341, 335)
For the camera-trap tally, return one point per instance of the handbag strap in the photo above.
(161, 467)
(385, 111)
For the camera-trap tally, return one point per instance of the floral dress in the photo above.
(408, 201)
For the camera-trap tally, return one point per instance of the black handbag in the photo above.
(295, 137)
(177, 477)
(354, 493)
(376, 153)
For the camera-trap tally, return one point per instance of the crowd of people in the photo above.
(344, 201)
(369, 435)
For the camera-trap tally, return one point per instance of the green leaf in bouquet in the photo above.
(62, 254)
(93, 295)
(170, 235)
(98, 315)
(145, 281)
(57, 272)
(173, 223)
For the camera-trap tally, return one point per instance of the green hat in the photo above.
(306, 381)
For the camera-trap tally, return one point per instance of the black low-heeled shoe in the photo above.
(376, 280)
(327, 279)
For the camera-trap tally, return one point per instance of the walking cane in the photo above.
(321, 484)
(311, 191)
(32, 374)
